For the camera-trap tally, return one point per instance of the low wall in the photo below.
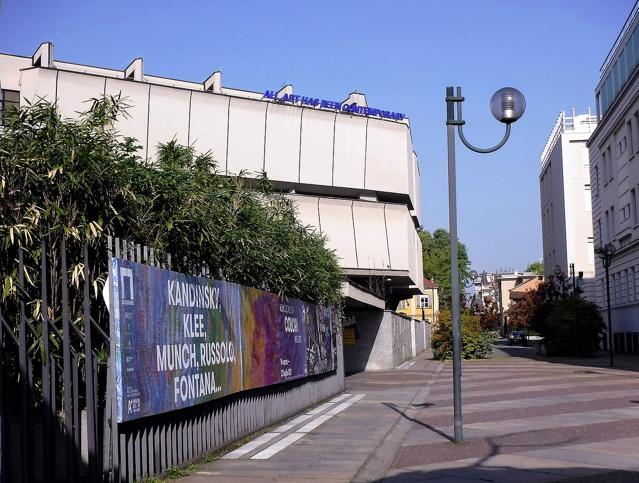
(150, 446)
(384, 340)
(420, 341)
(402, 328)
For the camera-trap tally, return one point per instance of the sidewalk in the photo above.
(353, 437)
(525, 419)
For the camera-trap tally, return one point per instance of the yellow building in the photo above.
(424, 306)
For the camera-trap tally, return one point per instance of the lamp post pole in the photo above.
(610, 351)
(606, 253)
(507, 105)
(454, 267)
(574, 308)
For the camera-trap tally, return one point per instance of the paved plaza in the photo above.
(525, 420)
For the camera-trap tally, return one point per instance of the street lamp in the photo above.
(471, 281)
(507, 105)
(606, 253)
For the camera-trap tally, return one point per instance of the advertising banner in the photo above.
(181, 340)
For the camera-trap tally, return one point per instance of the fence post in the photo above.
(49, 468)
(88, 365)
(3, 469)
(66, 364)
(111, 395)
(25, 405)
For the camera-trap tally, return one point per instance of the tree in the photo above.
(536, 267)
(245, 235)
(568, 324)
(574, 327)
(532, 311)
(436, 258)
(489, 314)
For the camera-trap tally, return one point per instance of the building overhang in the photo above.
(398, 283)
(357, 298)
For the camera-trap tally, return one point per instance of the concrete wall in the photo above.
(402, 327)
(420, 330)
(553, 214)
(365, 234)
(385, 339)
(292, 144)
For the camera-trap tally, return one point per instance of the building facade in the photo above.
(614, 175)
(493, 288)
(424, 306)
(565, 193)
(349, 167)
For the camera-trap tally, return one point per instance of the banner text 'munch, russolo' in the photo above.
(185, 294)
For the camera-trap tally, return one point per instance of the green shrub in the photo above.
(476, 342)
(570, 329)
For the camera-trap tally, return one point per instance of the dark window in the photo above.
(10, 100)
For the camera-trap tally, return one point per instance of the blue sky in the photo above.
(401, 54)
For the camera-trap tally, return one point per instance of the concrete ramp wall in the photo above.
(384, 339)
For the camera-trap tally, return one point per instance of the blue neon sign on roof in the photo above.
(333, 105)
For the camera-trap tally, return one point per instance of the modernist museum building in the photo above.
(349, 167)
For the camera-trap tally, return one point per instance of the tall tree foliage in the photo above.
(248, 235)
(436, 258)
(569, 324)
(80, 179)
(536, 267)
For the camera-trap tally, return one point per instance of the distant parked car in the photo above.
(517, 337)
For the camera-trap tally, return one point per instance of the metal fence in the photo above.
(51, 378)
(57, 394)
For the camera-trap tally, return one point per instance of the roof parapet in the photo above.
(356, 98)
(135, 70)
(286, 89)
(582, 123)
(43, 56)
(214, 83)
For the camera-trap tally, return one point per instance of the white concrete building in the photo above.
(350, 168)
(614, 174)
(565, 191)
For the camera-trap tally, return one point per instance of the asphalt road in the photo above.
(502, 349)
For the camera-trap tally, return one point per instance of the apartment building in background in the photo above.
(565, 193)
(424, 306)
(614, 179)
(349, 167)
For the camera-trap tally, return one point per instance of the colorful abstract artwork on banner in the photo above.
(181, 340)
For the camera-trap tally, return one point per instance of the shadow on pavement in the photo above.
(423, 405)
(483, 470)
(506, 473)
(399, 410)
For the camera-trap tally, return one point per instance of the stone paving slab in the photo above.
(568, 422)
(620, 453)
(499, 468)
